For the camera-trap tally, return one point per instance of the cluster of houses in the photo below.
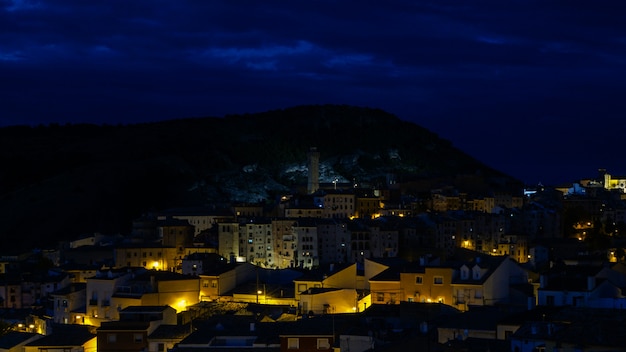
(336, 269)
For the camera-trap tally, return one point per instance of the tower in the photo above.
(313, 159)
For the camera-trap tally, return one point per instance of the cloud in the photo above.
(442, 64)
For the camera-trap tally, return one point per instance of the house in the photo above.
(583, 330)
(412, 282)
(486, 281)
(468, 279)
(155, 287)
(100, 290)
(165, 337)
(219, 279)
(69, 304)
(307, 335)
(582, 286)
(136, 323)
(65, 338)
(329, 276)
(328, 301)
(148, 256)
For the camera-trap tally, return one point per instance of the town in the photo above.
(338, 266)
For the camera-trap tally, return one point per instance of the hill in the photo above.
(61, 181)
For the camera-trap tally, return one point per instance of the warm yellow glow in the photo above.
(31, 326)
(354, 309)
(494, 250)
(78, 317)
(155, 264)
(259, 292)
(20, 325)
(428, 300)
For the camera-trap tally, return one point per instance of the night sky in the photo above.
(536, 89)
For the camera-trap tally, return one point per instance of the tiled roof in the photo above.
(70, 335)
(13, 338)
(145, 309)
(124, 325)
(171, 332)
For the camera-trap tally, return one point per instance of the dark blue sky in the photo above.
(536, 89)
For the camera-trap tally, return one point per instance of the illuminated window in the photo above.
(323, 344)
(293, 343)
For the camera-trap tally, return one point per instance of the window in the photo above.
(205, 283)
(438, 280)
(293, 343)
(419, 280)
(213, 283)
(137, 338)
(323, 344)
(380, 297)
(111, 338)
(301, 287)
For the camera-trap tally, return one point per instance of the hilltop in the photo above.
(60, 181)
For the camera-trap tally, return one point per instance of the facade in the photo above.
(156, 257)
(284, 243)
(100, 290)
(157, 288)
(217, 281)
(337, 204)
(306, 244)
(333, 241)
(69, 304)
(229, 243)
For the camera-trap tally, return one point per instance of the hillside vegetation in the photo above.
(60, 181)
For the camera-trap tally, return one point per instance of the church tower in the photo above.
(313, 159)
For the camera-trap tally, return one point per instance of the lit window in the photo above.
(293, 343)
(323, 344)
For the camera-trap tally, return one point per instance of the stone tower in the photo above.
(313, 159)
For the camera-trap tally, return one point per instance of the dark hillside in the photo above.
(60, 181)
